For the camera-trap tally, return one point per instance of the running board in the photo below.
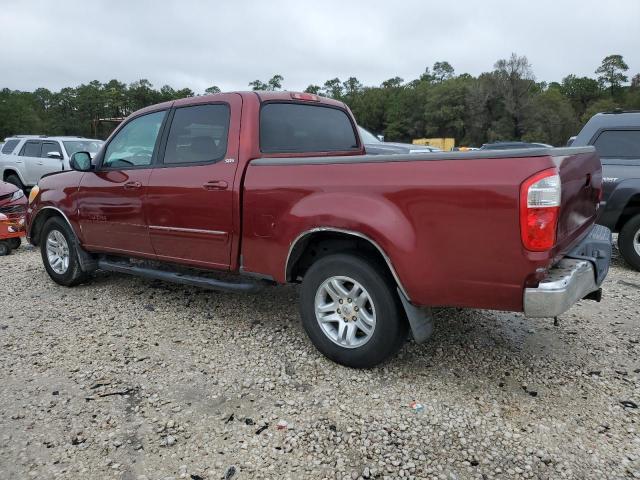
(184, 279)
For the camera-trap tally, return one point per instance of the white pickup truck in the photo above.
(24, 159)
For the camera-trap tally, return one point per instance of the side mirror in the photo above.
(81, 161)
(380, 137)
(57, 155)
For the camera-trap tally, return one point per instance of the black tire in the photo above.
(5, 248)
(630, 234)
(15, 243)
(390, 329)
(15, 180)
(73, 275)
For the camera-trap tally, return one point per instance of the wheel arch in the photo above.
(12, 171)
(316, 242)
(622, 204)
(630, 210)
(88, 262)
(44, 214)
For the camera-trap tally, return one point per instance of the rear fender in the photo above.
(371, 218)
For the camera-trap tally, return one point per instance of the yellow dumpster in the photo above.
(445, 144)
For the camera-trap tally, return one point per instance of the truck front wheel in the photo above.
(351, 311)
(629, 242)
(59, 255)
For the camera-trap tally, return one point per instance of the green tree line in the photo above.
(506, 103)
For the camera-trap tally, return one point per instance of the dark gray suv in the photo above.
(616, 136)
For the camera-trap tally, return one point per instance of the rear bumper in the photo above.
(577, 275)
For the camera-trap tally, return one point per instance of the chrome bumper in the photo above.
(573, 278)
(566, 283)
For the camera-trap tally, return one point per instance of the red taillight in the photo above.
(539, 210)
(308, 97)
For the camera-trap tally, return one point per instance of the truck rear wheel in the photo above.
(59, 254)
(351, 310)
(5, 248)
(629, 242)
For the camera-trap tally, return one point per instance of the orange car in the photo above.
(13, 207)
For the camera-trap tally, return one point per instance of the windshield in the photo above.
(91, 146)
(367, 136)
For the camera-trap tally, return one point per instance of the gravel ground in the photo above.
(125, 378)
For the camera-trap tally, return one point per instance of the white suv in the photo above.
(26, 158)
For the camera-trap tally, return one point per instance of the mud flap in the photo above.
(595, 248)
(420, 320)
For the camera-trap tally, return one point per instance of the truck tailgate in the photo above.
(581, 180)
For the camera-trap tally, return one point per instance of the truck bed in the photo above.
(450, 227)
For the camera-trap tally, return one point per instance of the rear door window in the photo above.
(618, 144)
(50, 147)
(198, 134)
(31, 149)
(298, 128)
(9, 146)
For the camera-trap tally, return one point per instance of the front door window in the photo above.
(134, 144)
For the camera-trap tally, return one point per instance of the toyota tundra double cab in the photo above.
(276, 188)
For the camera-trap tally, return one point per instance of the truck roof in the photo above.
(617, 118)
(606, 120)
(52, 137)
(261, 95)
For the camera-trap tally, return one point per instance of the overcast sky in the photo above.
(196, 44)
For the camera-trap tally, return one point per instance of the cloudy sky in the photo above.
(197, 43)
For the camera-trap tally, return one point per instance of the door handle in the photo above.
(215, 185)
(132, 185)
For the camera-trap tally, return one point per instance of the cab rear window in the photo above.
(298, 128)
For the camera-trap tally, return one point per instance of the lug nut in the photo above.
(353, 318)
(349, 300)
(341, 301)
(356, 308)
(338, 311)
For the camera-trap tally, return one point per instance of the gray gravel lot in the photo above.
(125, 378)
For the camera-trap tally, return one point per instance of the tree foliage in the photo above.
(505, 103)
(271, 85)
(71, 111)
(442, 71)
(611, 72)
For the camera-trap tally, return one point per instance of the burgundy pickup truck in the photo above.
(277, 188)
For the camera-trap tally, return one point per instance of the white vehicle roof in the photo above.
(59, 137)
